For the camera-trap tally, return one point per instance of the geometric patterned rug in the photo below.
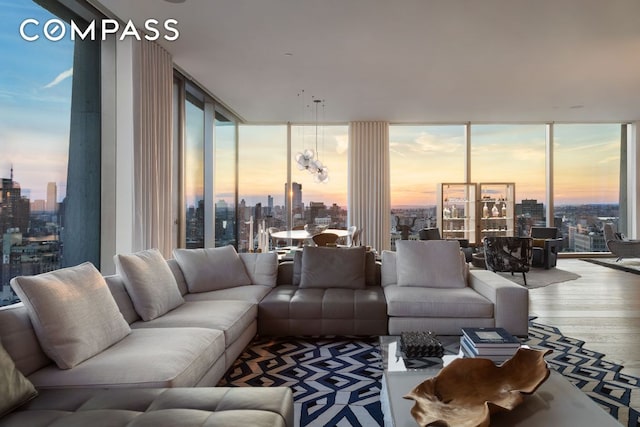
(336, 380)
(602, 381)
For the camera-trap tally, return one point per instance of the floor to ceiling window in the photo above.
(194, 173)
(225, 180)
(513, 154)
(315, 201)
(50, 145)
(586, 187)
(262, 180)
(420, 158)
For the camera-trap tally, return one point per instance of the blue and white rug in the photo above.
(336, 381)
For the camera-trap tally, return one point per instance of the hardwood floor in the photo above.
(602, 308)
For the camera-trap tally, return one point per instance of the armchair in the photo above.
(618, 245)
(510, 254)
(546, 245)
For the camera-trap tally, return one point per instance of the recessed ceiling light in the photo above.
(175, 1)
(288, 54)
(575, 107)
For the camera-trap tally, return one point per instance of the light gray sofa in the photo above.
(428, 286)
(192, 344)
(185, 407)
(325, 291)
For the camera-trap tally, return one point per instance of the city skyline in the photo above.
(35, 103)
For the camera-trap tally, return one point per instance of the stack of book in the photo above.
(495, 344)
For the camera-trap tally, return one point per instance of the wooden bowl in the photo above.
(467, 391)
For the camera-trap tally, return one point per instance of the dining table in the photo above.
(304, 234)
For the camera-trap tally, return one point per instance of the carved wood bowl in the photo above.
(467, 391)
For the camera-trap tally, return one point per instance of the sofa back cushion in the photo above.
(20, 340)
(262, 268)
(326, 267)
(149, 282)
(73, 313)
(122, 298)
(15, 389)
(429, 263)
(211, 269)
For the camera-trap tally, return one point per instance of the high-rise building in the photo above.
(52, 197)
(295, 196)
(14, 209)
(269, 205)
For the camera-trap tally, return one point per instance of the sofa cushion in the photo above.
(198, 406)
(249, 293)
(20, 340)
(15, 389)
(324, 267)
(436, 302)
(73, 313)
(429, 263)
(262, 268)
(211, 269)
(230, 317)
(149, 282)
(148, 357)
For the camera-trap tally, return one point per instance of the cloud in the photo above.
(59, 78)
(434, 144)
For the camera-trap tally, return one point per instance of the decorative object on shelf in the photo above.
(504, 209)
(494, 211)
(420, 344)
(485, 210)
(467, 391)
(308, 158)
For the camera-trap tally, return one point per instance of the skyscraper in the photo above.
(295, 196)
(52, 197)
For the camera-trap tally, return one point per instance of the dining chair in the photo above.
(325, 239)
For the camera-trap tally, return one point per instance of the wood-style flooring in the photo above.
(601, 308)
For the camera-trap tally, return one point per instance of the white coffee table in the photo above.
(556, 403)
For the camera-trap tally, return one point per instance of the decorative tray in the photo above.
(467, 391)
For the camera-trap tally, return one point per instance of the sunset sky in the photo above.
(35, 88)
(35, 94)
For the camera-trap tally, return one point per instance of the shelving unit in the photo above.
(496, 209)
(473, 211)
(457, 211)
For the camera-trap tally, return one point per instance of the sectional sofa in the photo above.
(161, 327)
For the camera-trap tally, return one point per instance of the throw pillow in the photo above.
(211, 269)
(73, 313)
(324, 267)
(15, 389)
(150, 283)
(429, 263)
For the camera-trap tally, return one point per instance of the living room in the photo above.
(498, 92)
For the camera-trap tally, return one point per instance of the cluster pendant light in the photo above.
(309, 160)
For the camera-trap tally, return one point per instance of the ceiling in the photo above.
(409, 61)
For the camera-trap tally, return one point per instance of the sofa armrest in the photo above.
(510, 300)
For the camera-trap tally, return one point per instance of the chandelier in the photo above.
(309, 159)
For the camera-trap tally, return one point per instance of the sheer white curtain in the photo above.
(153, 153)
(368, 189)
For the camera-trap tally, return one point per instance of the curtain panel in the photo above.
(153, 153)
(368, 187)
